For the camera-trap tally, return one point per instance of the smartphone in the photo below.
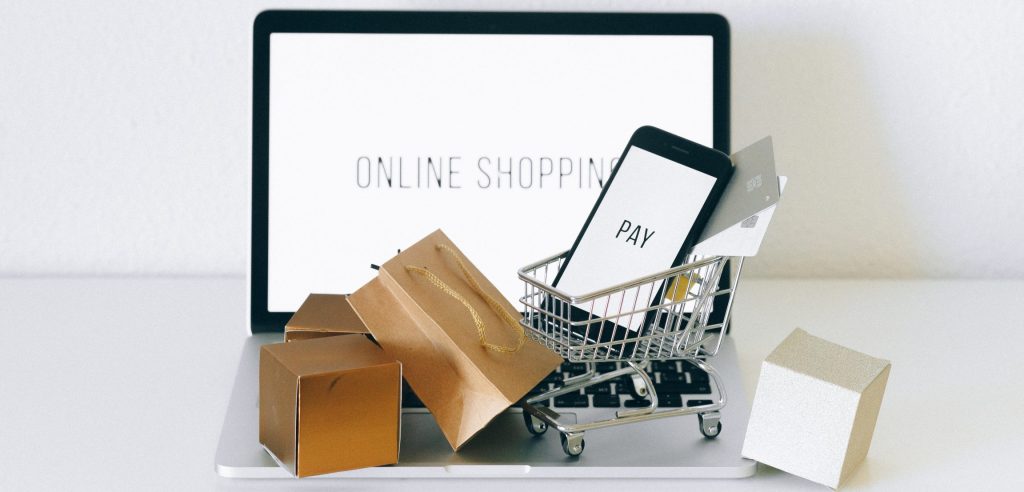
(651, 211)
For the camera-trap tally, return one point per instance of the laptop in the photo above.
(372, 129)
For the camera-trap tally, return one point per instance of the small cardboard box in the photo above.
(329, 404)
(815, 408)
(323, 315)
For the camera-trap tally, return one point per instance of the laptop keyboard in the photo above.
(678, 383)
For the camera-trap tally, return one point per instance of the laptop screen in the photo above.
(501, 140)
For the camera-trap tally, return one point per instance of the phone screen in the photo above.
(643, 221)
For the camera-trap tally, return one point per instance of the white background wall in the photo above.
(125, 147)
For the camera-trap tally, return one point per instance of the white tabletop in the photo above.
(122, 384)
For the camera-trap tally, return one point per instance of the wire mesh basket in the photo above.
(669, 315)
(662, 316)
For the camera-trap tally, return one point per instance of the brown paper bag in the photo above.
(465, 359)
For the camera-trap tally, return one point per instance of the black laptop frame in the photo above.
(405, 22)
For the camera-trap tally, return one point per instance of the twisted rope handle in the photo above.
(481, 327)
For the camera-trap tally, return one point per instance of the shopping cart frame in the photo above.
(691, 342)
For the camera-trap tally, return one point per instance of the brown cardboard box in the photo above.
(424, 322)
(329, 404)
(323, 315)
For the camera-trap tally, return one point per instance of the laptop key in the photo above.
(634, 403)
(697, 403)
(664, 365)
(673, 388)
(554, 377)
(599, 389)
(697, 375)
(607, 401)
(573, 372)
(672, 377)
(683, 388)
(624, 386)
(670, 401)
(572, 400)
(574, 367)
(603, 367)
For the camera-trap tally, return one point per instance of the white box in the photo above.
(815, 408)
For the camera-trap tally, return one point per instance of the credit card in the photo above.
(754, 187)
(743, 238)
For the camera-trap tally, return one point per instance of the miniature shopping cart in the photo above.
(664, 316)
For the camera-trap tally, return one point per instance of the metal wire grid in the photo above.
(656, 317)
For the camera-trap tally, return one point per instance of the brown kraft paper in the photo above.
(463, 383)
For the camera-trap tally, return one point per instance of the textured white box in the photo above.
(815, 408)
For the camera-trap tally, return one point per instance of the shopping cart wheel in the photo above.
(534, 425)
(573, 444)
(710, 425)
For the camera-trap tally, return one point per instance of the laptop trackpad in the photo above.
(504, 440)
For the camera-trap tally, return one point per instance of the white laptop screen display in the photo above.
(502, 141)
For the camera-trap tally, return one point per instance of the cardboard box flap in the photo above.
(278, 410)
(513, 374)
(329, 313)
(321, 355)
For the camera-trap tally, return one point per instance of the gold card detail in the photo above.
(678, 290)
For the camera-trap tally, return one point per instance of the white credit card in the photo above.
(743, 238)
(753, 187)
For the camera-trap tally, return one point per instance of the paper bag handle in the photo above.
(481, 327)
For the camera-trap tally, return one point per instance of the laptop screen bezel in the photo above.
(407, 22)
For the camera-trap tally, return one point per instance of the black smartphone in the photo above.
(647, 218)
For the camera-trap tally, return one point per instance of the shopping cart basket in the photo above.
(664, 316)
